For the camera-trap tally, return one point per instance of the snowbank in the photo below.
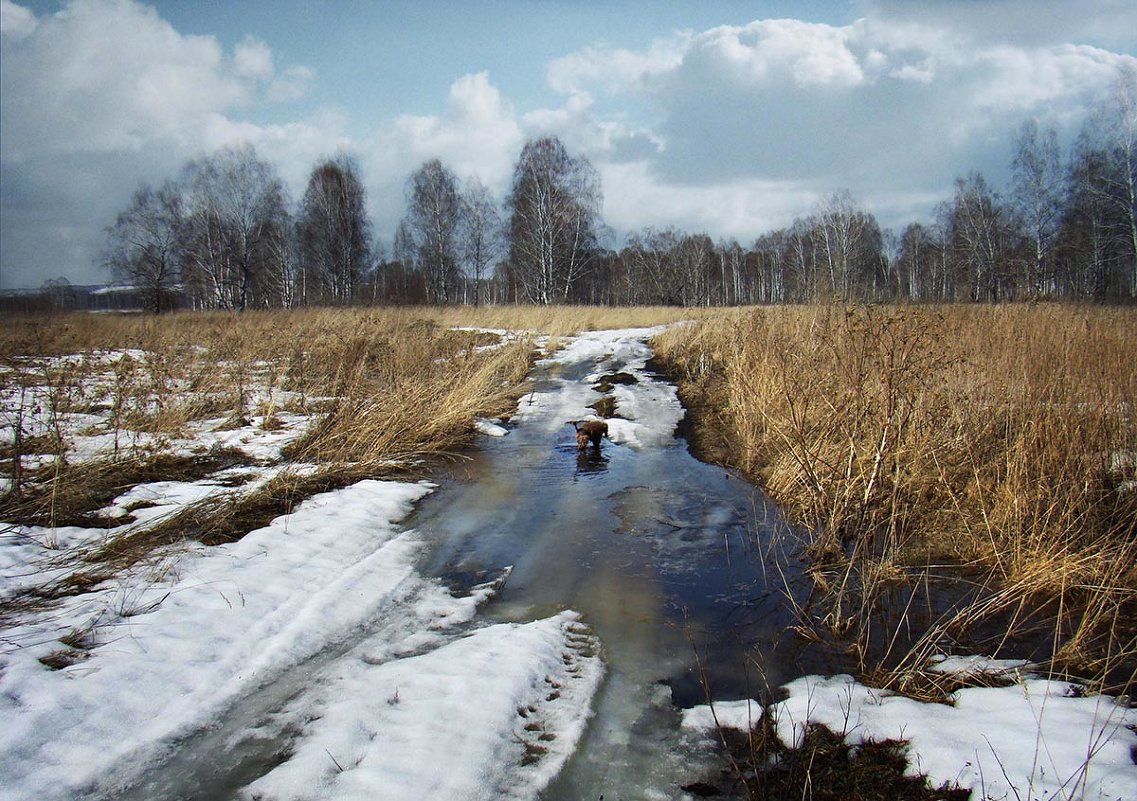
(173, 655)
(1035, 739)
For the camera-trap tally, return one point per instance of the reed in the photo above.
(997, 438)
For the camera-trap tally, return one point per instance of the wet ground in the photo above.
(665, 557)
(662, 554)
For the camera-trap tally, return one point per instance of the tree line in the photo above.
(223, 235)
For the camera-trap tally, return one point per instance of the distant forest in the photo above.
(223, 235)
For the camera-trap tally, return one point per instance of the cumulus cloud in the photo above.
(478, 134)
(891, 107)
(732, 130)
(1104, 23)
(111, 90)
(16, 22)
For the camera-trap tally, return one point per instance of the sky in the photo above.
(730, 118)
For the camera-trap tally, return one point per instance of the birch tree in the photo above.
(334, 232)
(1036, 197)
(236, 219)
(483, 233)
(554, 224)
(435, 211)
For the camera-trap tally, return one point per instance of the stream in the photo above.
(664, 557)
(661, 553)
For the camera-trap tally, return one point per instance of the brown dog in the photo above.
(589, 431)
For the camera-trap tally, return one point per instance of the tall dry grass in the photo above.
(1001, 438)
(383, 387)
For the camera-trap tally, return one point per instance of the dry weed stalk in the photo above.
(998, 437)
(389, 386)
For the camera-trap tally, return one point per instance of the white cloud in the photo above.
(16, 22)
(109, 74)
(635, 198)
(733, 130)
(892, 109)
(103, 75)
(808, 54)
(252, 58)
(478, 134)
(104, 94)
(618, 69)
(292, 84)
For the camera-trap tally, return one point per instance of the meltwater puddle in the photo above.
(658, 552)
(346, 650)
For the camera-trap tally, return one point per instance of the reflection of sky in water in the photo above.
(652, 546)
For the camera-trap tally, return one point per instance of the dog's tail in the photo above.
(575, 424)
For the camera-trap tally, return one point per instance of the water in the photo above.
(661, 553)
(664, 556)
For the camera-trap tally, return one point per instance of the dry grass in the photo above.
(383, 390)
(996, 437)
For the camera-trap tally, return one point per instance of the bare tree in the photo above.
(980, 239)
(917, 265)
(650, 256)
(1113, 132)
(484, 234)
(1036, 198)
(144, 244)
(334, 232)
(554, 220)
(433, 224)
(848, 246)
(693, 262)
(236, 216)
(1092, 246)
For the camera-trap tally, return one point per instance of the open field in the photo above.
(171, 480)
(913, 440)
(996, 439)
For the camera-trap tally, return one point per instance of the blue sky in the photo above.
(726, 117)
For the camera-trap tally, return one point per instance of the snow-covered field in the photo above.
(391, 685)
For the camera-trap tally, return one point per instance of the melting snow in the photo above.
(409, 694)
(225, 621)
(1035, 739)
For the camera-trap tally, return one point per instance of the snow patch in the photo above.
(1035, 739)
(647, 411)
(742, 715)
(489, 427)
(502, 709)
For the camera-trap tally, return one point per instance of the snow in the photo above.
(489, 427)
(742, 715)
(390, 684)
(1034, 739)
(504, 692)
(647, 412)
(222, 622)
